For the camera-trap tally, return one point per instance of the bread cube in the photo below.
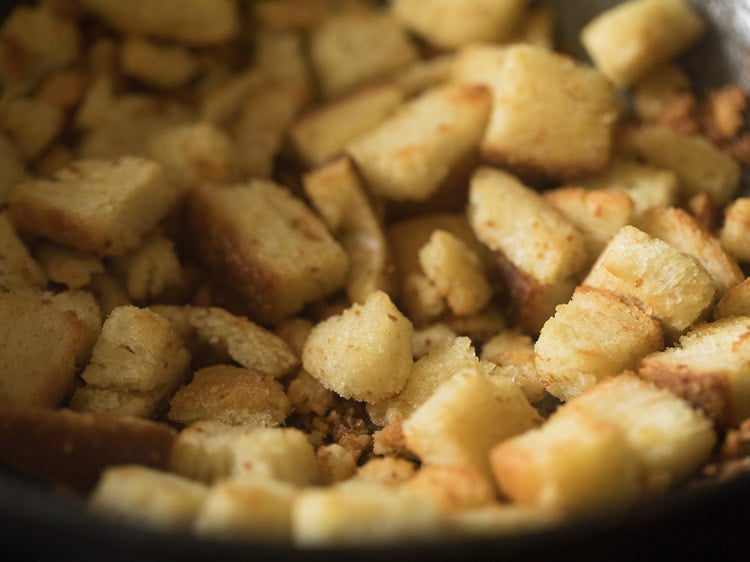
(500, 519)
(735, 230)
(222, 102)
(12, 169)
(32, 124)
(66, 266)
(265, 247)
(282, 57)
(363, 353)
(465, 417)
(350, 50)
(657, 89)
(550, 115)
(410, 154)
(708, 367)
(160, 66)
(18, 269)
(735, 302)
(634, 37)
(143, 496)
(336, 463)
(669, 285)
(326, 130)
(449, 24)
(337, 192)
(84, 306)
(430, 337)
(232, 395)
(700, 166)
(194, 22)
(425, 73)
(593, 336)
(388, 470)
(101, 206)
(513, 353)
(455, 488)
(97, 100)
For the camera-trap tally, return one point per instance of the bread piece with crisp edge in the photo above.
(18, 269)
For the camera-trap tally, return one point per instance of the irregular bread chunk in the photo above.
(735, 231)
(513, 353)
(73, 268)
(12, 169)
(455, 488)
(735, 302)
(159, 66)
(102, 206)
(32, 124)
(18, 269)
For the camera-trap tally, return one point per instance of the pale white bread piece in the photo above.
(233, 395)
(550, 114)
(265, 247)
(454, 488)
(735, 229)
(212, 334)
(683, 232)
(654, 91)
(67, 266)
(350, 50)
(701, 167)
(363, 514)
(18, 268)
(513, 353)
(388, 470)
(735, 302)
(669, 285)
(465, 417)
(594, 335)
(430, 337)
(103, 206)
(282, 56)
(421, 299)
(144, 496)
(338, 193)
(194, 22)
(161, 66)
(411, 154)
(84, 306)
(336, 463)
(425, 73)
(301, 15)
(634, 37)
(363, 353)
(221, 103)
(709, 368)
(512, 218)
(246, 510)
(326, 130)
(448, 24)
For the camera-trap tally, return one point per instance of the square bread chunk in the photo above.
(634, 37)
(104, 206)
(265, 247)
(550, 115)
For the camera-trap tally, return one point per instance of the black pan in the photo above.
(706, 523)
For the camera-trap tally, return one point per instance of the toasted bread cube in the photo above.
(42, 345)
(195, 22)
(194, 154)
(424, 74)
(160, 66)
(102, 206)
(214, 335)
(144, 496)
(515, 220)
(222, 102)
(496, 520)
(32, 125)
(389, 470)
(735, 231)
(572, 464)
(708, 367)
(265, 247)
(282, 58)
(538, 27)
(12, 169)
(430, 337)
(18, 269)
(410, 154)
(363, 514)
(465, 417)
(657, 89)
(550, 114)
(336, 463)
(449, 24)
(456, 272)
(593, 336)
(242, 509)
(232, 395)
(634, 37)
(671, 438)
(337, 192)
(669, 285)
(700, 166)
(72, 448)
(364, 353)
(72, 268)
(735, 302)
(442, 362)
(513, 353)
(84, 306)
(97, 100)
(350, 50)
(455, 488)
(328, 129)
(598, 214)
(684, 233)
(421, 299)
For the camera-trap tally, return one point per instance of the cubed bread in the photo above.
(221, 103)
(657, 89)
(412, 152)
(500, 519)
(282, 57)
(102, 206)
(423, 74)
(669, 285)
(195, 22)
(428, 338)
(735, 230)
(633, 37)
(140, 495)
(42, 345)
(32, 124)
(363, 353)
(160, 66)
(594, 335)
(550, 115)
(84, 305)
(455, 488)
(232, 395)
(337, 192)
(72, 448)
(735, 302)
(708, 367)
(376, 46)
(388, 470)
(12, 169)
(449, 24)
(336, 463)
(465, 417)
(214, 335)
(18, 269)
(513, 353)
(265, 247)
(67, 266)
